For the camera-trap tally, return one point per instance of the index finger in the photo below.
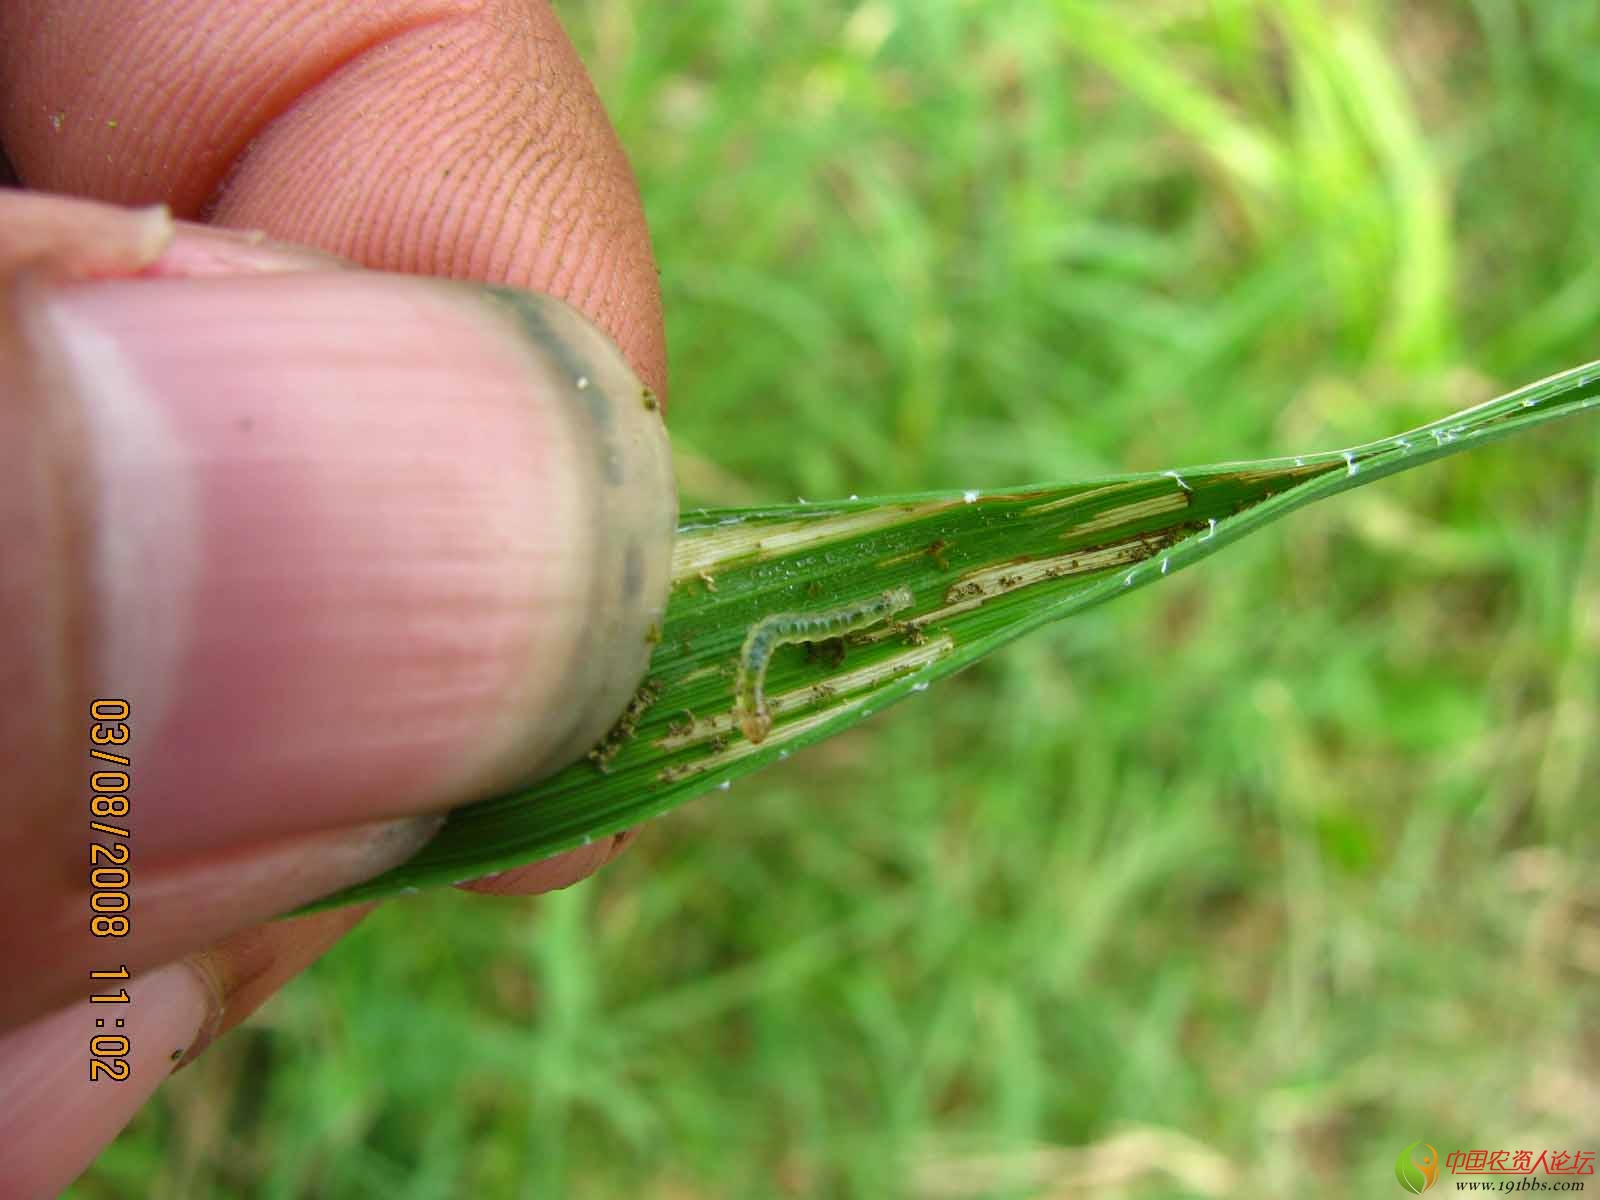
(436, 137)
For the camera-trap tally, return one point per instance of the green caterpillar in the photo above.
(767, 634)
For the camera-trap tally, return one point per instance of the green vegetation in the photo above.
(1237, 886)
(988, 566)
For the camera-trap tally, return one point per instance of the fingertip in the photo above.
(358, 546)
(474, 147)
(70, 1080)
(66, 238)
(462, 140)
(550, 874)
(201, 250)
(243, 971)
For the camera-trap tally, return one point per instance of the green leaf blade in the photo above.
(983, 569)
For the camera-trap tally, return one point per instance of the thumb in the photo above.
(352, 549)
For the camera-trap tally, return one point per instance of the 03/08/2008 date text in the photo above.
(109, 878)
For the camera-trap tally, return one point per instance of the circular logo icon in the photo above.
(1417, 1172)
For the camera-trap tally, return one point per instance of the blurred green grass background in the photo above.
(1233, 888)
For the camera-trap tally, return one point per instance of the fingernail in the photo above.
(360, 546)
(245, 970)
(200, 250)
(184, 1002)
(65, 236)
(205, 971)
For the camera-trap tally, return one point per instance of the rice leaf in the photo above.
(981, 570)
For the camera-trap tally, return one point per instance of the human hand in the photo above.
(350, 545)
